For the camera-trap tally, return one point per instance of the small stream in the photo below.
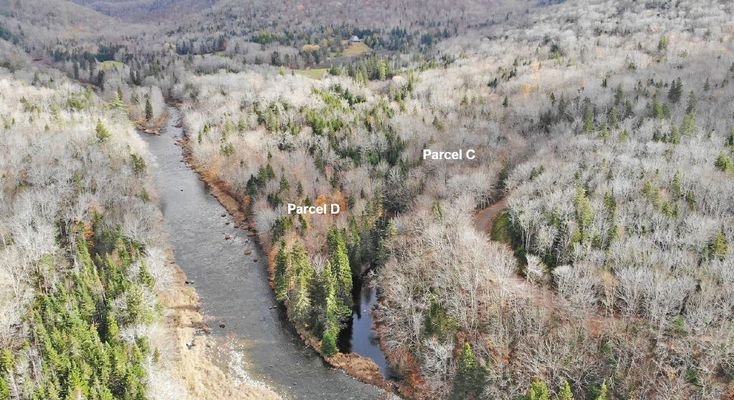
(233, 286)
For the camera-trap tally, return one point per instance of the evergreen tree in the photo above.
(332, 309)
(145, 277)
(623, 136)
(675, 186)
(718, 247)
(340, 264)
(724, 163)
(688, 127)
(589, 121)
(6, 369)
(565, 393)
(112, 329)
(692, 102)
(303, 274)
(320, 285)
(657, 108)
(52, 392)
(138, 164)
(381, 69)
(674, 135)
(102, 133)
(610, 204)
(118, 103)
(6, 361)
(470, 377)
(584, 211)
(135, 310)
(603, 393)
(100, 79)
(148, 109)
(538, 390)
(618, 94)
(4, 388)
(282, 260)
(301, 299)
(676, 91)
(284, 185)
(328, 343)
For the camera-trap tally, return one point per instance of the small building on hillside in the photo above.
(355, 39)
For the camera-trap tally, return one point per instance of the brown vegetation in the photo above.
(189, 355)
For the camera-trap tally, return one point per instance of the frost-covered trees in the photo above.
(607, 127)
(631, 216)
(439, 283)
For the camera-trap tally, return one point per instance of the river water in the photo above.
(233, 287)
(359, 337)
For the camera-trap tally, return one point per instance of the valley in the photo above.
(482, 199)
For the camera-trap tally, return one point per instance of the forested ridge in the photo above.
(605, 127)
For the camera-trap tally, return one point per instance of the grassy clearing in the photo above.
(501, 228)
(313, 73)
(112, 64)
(356, 49)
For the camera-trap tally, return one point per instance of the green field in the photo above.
(112, 64)
(313, 73)
(356, 49)
(501, 229)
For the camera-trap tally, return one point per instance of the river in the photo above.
(233, 287)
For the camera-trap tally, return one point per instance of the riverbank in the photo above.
(357, 366)
(189, 357)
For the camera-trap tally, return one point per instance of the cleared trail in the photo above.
(233, 286)
(485, 217)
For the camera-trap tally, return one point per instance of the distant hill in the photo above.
(138, 10)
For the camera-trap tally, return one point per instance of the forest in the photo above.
(84, 260)
(587, 251)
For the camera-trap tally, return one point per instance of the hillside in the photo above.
(146, 10)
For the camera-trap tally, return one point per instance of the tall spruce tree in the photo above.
(470, 377)
(148, 109)
(676, 91)
(340, 264)
(282, 260)
(303, 274)
(331, 307)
